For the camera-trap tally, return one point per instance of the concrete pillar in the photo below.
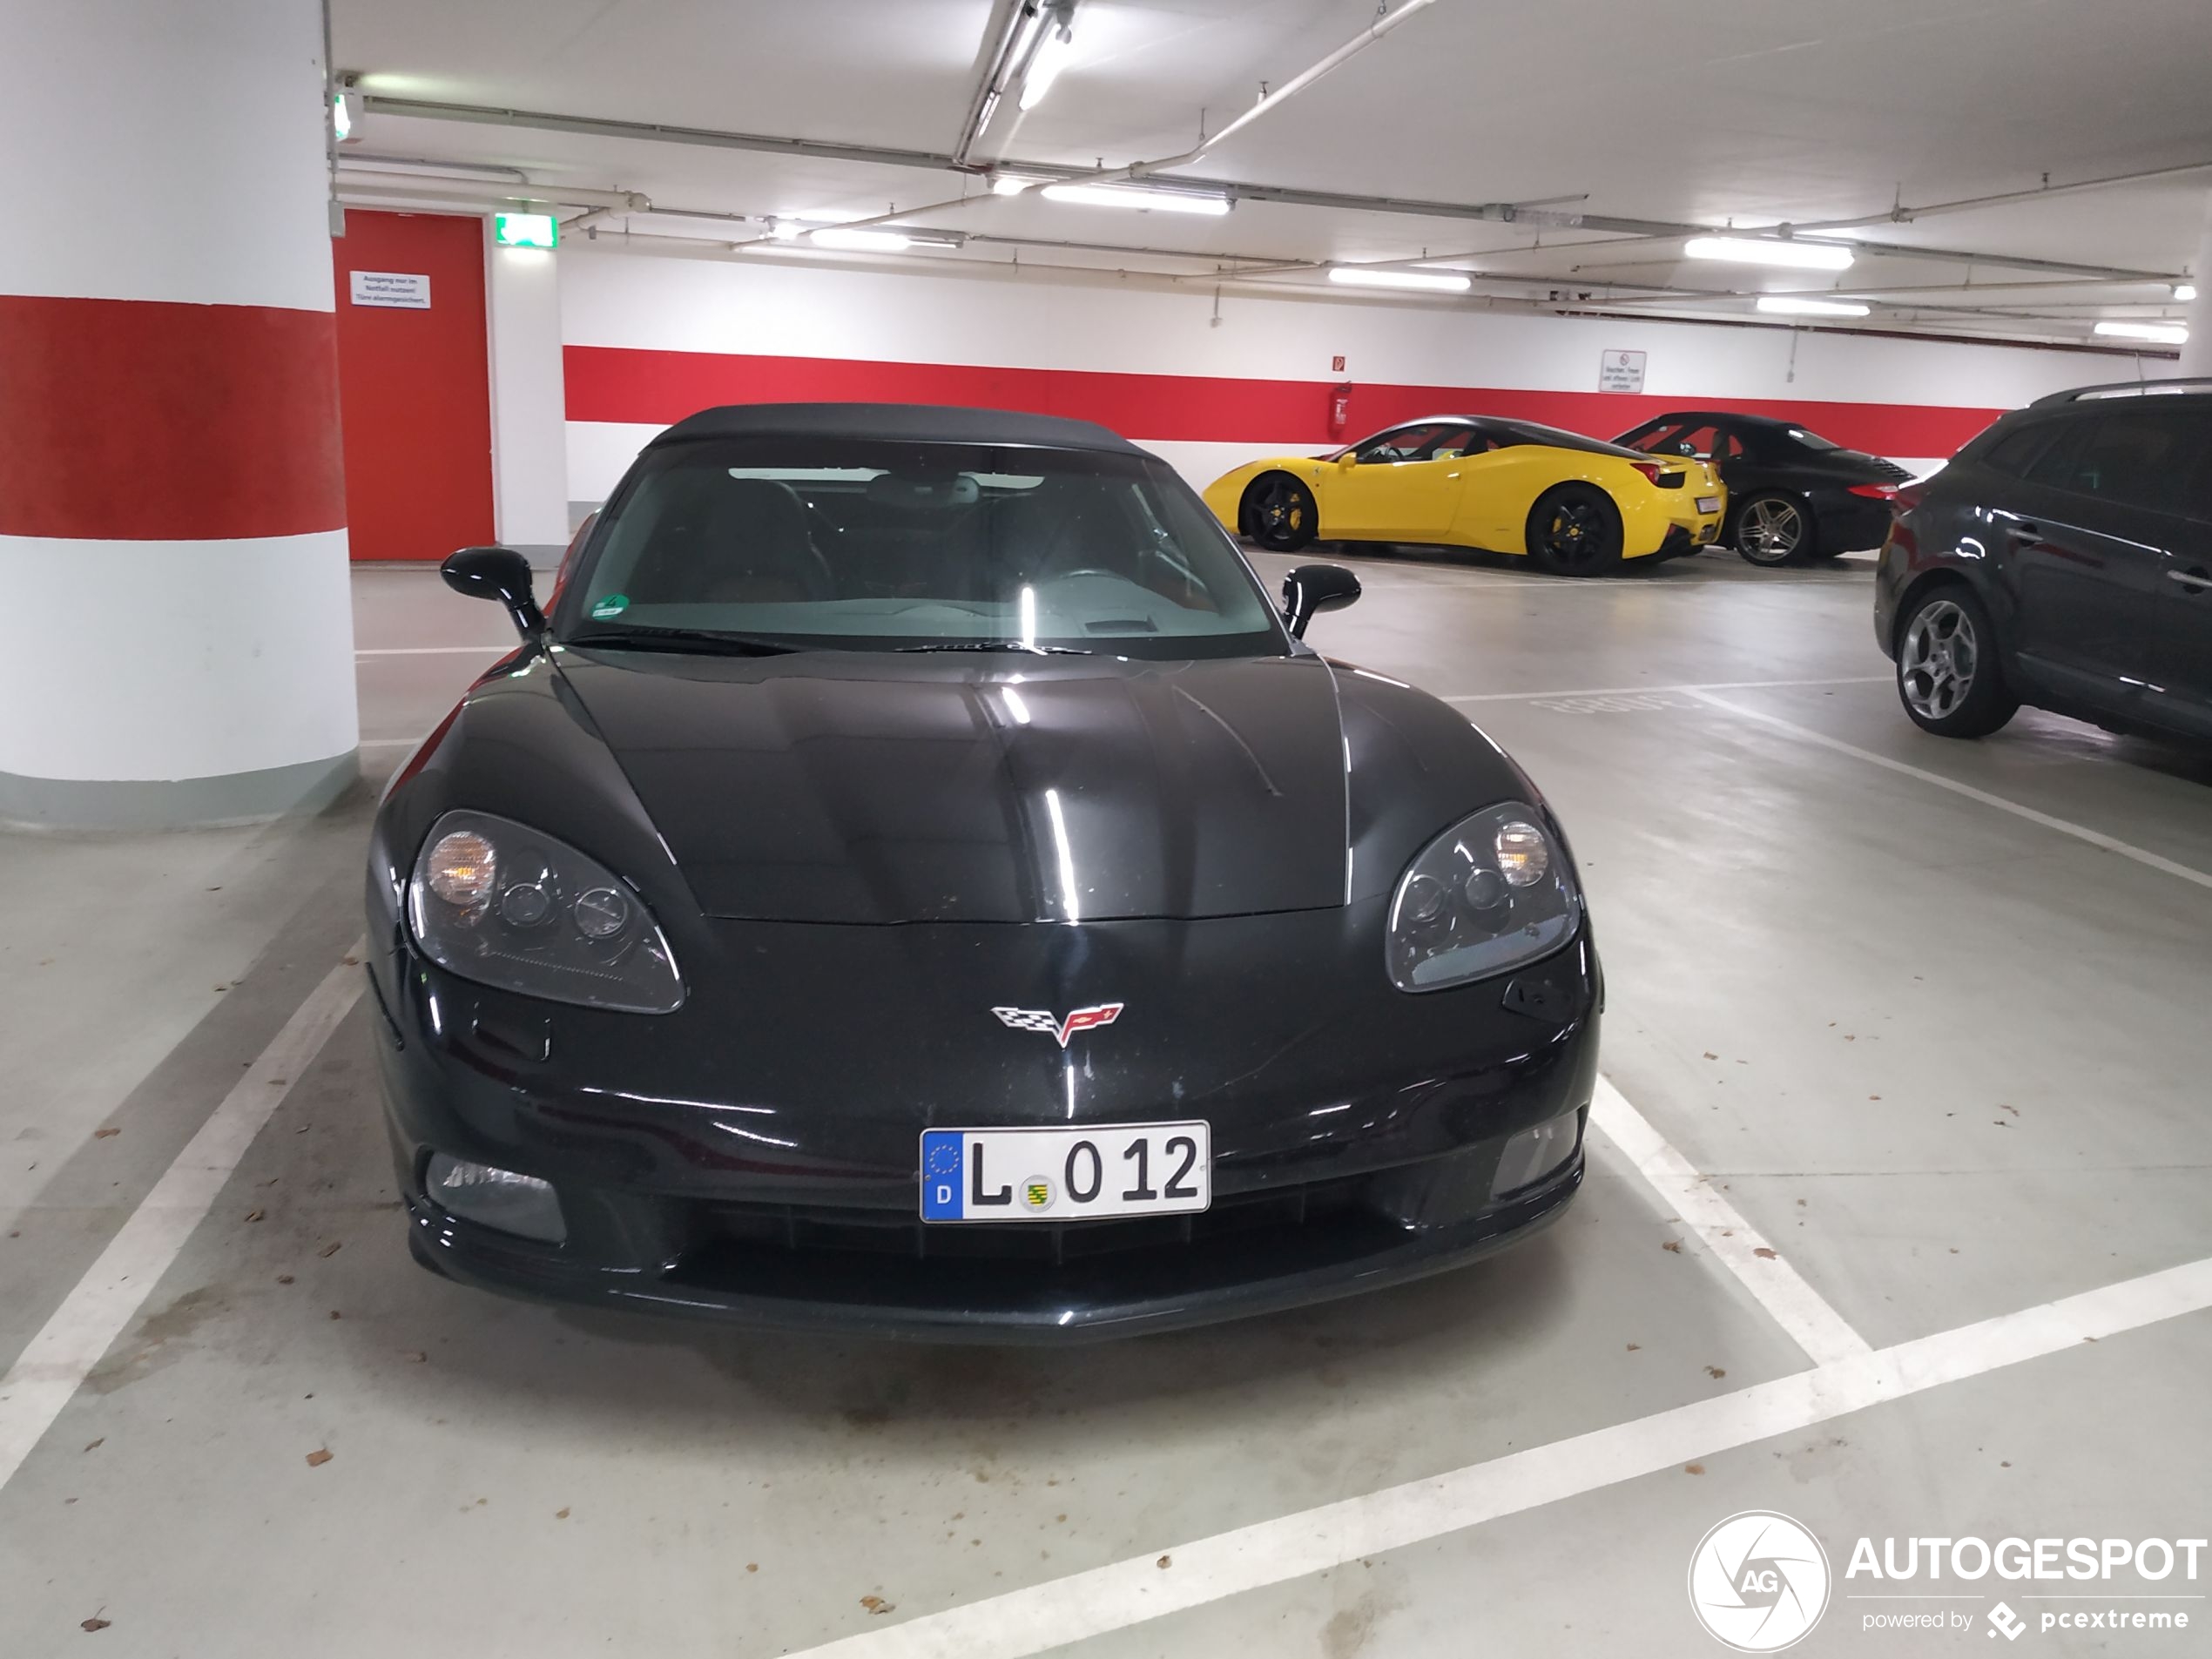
(528, 418)
(2197, 351)
(176, 632)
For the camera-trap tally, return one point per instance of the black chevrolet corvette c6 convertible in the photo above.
(910, 880)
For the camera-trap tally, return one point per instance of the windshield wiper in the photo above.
(685, 639)
(1001, 645)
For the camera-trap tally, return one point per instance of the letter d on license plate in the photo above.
(1066, 1174)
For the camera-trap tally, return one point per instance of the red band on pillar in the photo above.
(131, 419)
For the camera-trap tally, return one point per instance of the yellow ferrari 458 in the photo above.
(1575, 506)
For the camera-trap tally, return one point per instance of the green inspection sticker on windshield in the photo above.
(613, 605)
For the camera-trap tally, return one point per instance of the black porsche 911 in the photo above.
(910, 880)
(1793, 495)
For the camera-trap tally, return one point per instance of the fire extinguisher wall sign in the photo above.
(1340, 408)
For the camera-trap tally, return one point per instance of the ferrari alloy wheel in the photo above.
(1575, 530)
(1280, 513)
(1947, 674)
(1772, 530)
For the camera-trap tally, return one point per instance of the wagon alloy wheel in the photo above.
(1278, 513)
(1936, 669)
(1770, 531)
(1949, 676)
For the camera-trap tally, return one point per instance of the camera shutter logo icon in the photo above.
(1758, 1582)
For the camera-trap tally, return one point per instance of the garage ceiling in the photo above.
(1753, 113)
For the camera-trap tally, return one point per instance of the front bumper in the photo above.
(1355, 1135)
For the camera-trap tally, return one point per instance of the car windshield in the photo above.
(857, 544)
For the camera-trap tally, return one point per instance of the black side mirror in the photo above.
(498, 573)
(1311, 589)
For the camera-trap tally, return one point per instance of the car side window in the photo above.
(1457, 442)
(1656, 439)
(1402, 444)
(2015, 452)
(2136, 457)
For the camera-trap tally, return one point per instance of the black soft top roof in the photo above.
(909, 422)
(1772, 422)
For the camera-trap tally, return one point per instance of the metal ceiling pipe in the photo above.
(1903, 215)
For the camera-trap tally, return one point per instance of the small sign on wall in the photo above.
(1620, 371)
(403, 290)
(1336, 366)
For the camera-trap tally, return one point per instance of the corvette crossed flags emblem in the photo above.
(1045, 1020)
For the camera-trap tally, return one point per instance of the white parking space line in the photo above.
(439, 650)
(55, 1362)
(2065, 826)
(1179, 1576)
(1649, 691)
(1778, 1286)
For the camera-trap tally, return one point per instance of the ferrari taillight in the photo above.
(1649, 469)
(1875, 492)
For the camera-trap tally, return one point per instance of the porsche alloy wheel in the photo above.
(1575, 530)
(1947, 675)
(1280, 513)
(1772, 530)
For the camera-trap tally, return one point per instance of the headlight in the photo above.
(500, 904)
(1490, 894)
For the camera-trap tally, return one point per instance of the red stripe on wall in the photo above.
(131, 419)
(659, 388)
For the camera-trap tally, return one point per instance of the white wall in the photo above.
(646, 302)
(529, 455)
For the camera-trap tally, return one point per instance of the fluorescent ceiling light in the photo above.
(1168, 201)
(787, 230)
(2166, 333)
(1752, 250)
(1781, 305)
(1053, 56)
(1356, 276)
(859, 241)
(2185, 290)
(1012, 184)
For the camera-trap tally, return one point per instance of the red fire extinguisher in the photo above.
(1339, 408)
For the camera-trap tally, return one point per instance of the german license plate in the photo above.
(1075, 1174)
(1709, 503)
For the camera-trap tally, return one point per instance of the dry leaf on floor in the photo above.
(105, 1134)
(329, 1250)
(876, 1604)
(560, 1514)
(255, 1215)
(1633, 1347)
(317, 1458)
(284, 1278)
(1709, 1055)
(1165, 1561)
(753, 1567)
(101, 1442)
(1715, 1372)
(1764, 1254)
(93, 1624)
(1693, 1469)
(1675, 1244)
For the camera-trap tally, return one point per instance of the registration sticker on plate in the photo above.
(1075, 1174)
(1709, 503)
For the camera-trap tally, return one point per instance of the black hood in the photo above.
(836, 787)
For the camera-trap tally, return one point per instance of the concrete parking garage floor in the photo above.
(1896, 1223)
